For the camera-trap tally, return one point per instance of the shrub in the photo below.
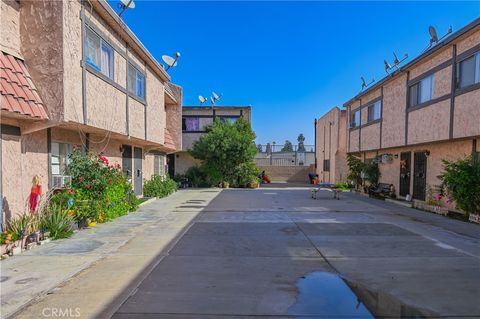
(58, 222)
(344, 186)
(22, 225)
(159, 186)
(198, 177)
(462, 181)
(223, 148)
(371, 172)
(245, 174)
(355, 168)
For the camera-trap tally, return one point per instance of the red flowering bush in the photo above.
(97, 183)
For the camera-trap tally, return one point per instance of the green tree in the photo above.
(287, 147)
(355, 169)
(462, 181)
(301, 140)
(223, 148)
(259, 148)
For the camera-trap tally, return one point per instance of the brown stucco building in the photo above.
(330, 146)
(73, 73)
(424, 112)
(194, 120)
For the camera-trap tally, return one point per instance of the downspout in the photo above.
(127, 113)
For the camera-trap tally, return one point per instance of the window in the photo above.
(60, 157)
(422, 91)
(355, 119)
(98, 54)
(375, 111)
(159, 164)
(191, 124)
(469, 71)
(136, 82)
(230, 119)
(326, 165)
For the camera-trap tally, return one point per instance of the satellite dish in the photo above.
(433, 35)
(169, 61)
(215, 97)
(387, 66)
(124, 5)
(364, 84)
(202, 99)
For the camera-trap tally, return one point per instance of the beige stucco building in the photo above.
(426, 111)
(330, 146)
(91, 83)
(194, 120)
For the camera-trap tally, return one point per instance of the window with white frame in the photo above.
(468, 71)
(60, 157)
(375, 111)
(159, 162)
(98, 54)
(136, 82)
(422, 91)
(355, 119)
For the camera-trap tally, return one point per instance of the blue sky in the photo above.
(292, 61)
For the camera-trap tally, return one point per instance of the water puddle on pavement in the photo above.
(327, 294)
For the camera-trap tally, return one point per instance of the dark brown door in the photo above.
(419, 175)
(405, 173)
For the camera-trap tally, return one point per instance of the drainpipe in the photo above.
(1, 184)
(84, 71)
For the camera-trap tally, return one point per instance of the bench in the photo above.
(381, 190)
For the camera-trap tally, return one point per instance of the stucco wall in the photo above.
(136, 118)
(432, 61)
(430, 123)
(22, 158)
(183, 161)
(469, 42)
(174, 117)
(10, 20)
(156, 115)
(41, 34)
(106, 106)
(333, 147)
(354, 140)
(466, 120)
(370, 138)
(442, 82)
(393, 112)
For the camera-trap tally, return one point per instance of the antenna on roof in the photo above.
(396, 62)
(215, 97)
(434, 36)
(364, 84)
(169, 61)
(202, 99)
(124, 5)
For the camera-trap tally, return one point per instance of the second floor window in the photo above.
(98, 54)
(375, 111)
(136, 82)
(422, 91)
(469, 71)
(355, 119)
(191, 124)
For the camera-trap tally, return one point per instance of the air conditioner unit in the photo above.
(61, 181)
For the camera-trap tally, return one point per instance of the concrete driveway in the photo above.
(275, 252)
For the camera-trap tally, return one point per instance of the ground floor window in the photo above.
(159, 164)
(59, 161)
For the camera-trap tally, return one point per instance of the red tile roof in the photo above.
(18, 93)
(169, 140)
